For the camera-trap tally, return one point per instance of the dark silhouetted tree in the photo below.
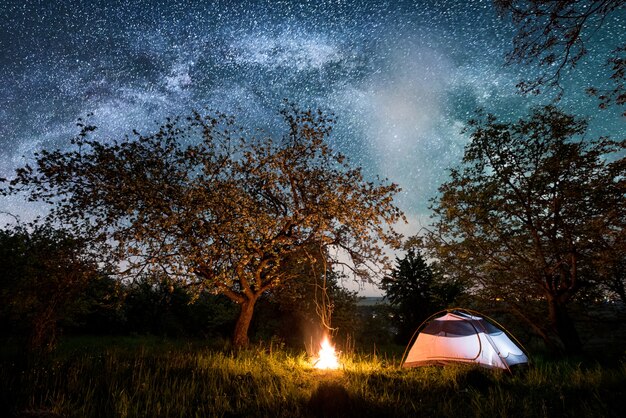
(43, 273)
(415, 291)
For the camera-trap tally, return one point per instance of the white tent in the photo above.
(465, 337)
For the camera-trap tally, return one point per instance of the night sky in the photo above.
(402, 77)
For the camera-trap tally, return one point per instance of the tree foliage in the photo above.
(416, 290)
(536, 212)
(209, 203)
(554, 35)
(43, 273)
(156, 305)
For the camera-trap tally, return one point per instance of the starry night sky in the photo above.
(402, 77)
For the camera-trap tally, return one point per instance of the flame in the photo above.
(327, 358)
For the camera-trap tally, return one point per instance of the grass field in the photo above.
(154, 378)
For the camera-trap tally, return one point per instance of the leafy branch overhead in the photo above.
(211, 204)
(556, 35)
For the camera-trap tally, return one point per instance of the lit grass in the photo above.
(170, 379)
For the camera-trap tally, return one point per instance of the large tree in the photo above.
(555, 35)
(529, 214)
(216, 206)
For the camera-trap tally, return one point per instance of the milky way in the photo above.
(402, 77)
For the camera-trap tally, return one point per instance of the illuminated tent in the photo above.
(461, 336)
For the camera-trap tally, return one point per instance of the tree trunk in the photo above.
(533, 323)
(564, 327)
(240, 337)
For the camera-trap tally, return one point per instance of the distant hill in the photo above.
(371, 301)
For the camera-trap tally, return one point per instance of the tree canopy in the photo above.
(207, 202)
(531, 212)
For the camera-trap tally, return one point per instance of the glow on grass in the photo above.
(327, 357)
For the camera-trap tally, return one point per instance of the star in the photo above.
(402, 77)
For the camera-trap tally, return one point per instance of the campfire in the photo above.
(327, 357)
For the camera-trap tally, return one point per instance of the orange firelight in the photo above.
(327, 357)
